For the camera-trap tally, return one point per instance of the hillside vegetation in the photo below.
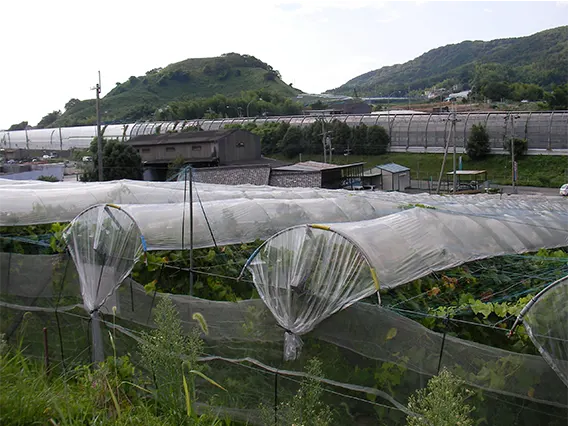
(540, 59)
(139, 97)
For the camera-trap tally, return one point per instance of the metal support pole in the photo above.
(513, 171)
(453, 129)
(190, 231)
(99, 135)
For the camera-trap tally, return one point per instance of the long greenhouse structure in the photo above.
(545, 131)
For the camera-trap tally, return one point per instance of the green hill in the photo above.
(139, 97)
(540, 59)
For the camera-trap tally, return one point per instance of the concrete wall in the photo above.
(56, 170)
(289, 179)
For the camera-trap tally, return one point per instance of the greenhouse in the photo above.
(544, 130)
(386, 290)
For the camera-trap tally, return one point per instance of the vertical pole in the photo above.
(45, 350)
(323, 138)
(99, 136)
(513, 177)
(60, 140)
(276, 398)
(190, 231)
(27, 141)
(453, 129)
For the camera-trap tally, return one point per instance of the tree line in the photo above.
(290, 141)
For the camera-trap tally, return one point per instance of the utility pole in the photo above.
(99, 136)
(60, 140)
(453, 129)
(323, 139)
(513, 165)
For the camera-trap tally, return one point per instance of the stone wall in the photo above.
(236, 175)
(290, 179)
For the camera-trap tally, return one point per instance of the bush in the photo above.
(441, 403)
(49, 178)
(478, 146)
(521, 146)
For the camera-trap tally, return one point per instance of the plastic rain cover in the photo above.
(105, 243)
(306, 276)
(546, 320)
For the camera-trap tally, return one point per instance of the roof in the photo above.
(314, 166)
(467, 172)
(375, 171)
(393, 168)
(182, 137)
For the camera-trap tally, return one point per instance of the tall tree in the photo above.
(48, 119)
(120, 161)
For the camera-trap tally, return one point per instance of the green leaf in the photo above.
(203, 376)
(391, 333)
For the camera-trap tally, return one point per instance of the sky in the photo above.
(51, 50)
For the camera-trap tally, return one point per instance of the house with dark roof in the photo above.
(208, 148)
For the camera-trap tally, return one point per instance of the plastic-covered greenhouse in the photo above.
(545, 130)
(386, 289)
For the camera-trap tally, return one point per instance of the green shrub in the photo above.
(521, 146)
(478, 145)
(441, 403)
(306, 407)
(49, 178)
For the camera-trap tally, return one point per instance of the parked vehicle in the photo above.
(564, 190)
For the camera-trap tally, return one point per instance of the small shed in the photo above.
(394, 177)
(467, 180)
(372, 179)
(330, 176)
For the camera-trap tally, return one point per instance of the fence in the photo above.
(244, 345)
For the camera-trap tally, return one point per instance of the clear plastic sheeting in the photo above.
(414, 243)
(104, 243)
(546, 321)
(166, 227)
(33, 202)
(305, 277)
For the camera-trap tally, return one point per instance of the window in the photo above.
(240, 144)
(145, 149)
(170, 149)
(196, 148)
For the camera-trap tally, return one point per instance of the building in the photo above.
(373, 178)
(394, 177)
(198, 148)
(319, 175)
(217, 147)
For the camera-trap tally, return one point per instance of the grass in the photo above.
(533, 170)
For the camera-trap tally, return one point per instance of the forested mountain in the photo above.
(139, 97)
(540, 59)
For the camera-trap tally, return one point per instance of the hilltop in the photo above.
(540, 59)
(139, 97)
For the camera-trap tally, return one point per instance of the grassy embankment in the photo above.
(533, 170)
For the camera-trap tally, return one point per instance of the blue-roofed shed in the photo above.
(394, 177)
